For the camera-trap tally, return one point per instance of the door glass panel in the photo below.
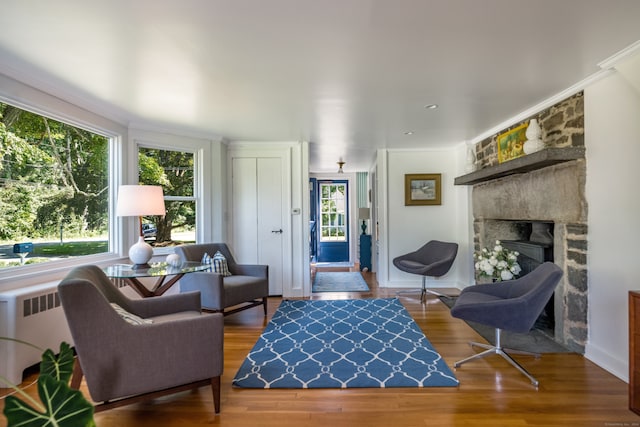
(333, 212)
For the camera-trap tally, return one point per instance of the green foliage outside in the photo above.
(54, 186)
(52, 174)
(333, 224)
(176, 178)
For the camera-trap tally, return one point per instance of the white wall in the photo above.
(406, 228)
(612, 139)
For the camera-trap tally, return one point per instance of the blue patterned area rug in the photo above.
(343, 344)
(339, 282)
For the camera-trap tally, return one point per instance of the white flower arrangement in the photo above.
(499, 264)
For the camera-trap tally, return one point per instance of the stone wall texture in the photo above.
(562, 126)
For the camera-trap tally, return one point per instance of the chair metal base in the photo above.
(424, 291)
(499, 350)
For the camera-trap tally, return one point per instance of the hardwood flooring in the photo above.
(573, 391)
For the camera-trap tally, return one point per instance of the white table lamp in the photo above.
(140, 200)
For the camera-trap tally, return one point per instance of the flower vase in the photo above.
(533, 142)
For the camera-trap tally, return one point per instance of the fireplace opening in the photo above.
(535, 248)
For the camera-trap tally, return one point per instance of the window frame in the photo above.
(201, 150)
(34, 101)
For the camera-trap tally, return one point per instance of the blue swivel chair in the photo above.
(512, 305)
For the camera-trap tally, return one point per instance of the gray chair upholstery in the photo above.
(512, 305)
(123, 363)
(434, 259)
(248, 285)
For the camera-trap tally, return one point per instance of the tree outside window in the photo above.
(54, 181)
(174, 171)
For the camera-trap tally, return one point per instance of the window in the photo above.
(54, 189)
(174, 171)
(333, 212)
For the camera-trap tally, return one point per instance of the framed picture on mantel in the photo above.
(510, 143)
(422, 189)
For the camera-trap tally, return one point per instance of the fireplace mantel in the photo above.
(528, 163)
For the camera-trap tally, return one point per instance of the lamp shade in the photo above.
(363, 213)
(140, 200)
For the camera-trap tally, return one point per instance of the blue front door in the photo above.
(333, 221)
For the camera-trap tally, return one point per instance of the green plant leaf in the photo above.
(64, 407)
(60, 406)
(60, 367)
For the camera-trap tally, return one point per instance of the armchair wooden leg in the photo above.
(76, 377)
(264, 305)
(215, 388)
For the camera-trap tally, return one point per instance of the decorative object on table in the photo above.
(498, 263)
(339, 281)
(59, 404)
(422, 189)
(510, 143)
(533, 134)
(139, 201)
(343, 344)
(174, 260)
(363, 214)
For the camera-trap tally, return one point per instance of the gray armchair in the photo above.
(123, 362)
(433, 259)
(248, 285)
(512, 305)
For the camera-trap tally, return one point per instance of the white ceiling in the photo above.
(349, 76)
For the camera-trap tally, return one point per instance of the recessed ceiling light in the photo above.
(431, 106)
(409, 132)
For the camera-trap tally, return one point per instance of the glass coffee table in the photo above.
(160, 270)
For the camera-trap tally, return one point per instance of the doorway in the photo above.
(332, 221)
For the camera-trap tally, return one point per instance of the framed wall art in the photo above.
(422, 189)
(510, 143)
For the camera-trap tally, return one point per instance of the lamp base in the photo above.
(364, 227)
(140, 253)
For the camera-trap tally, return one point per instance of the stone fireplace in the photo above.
(512, 198)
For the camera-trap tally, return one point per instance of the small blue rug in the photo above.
(339, 282)
(343, 344)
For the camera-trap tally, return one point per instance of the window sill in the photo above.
(29, 275)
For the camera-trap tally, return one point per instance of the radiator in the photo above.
(31, 314)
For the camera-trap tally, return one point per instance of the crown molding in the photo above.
(621, 56)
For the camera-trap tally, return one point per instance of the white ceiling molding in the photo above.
(560, 96)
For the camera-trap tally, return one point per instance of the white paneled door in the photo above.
(258, 209)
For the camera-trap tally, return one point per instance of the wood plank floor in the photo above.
(572, 392)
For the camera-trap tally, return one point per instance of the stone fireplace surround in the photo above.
(553, 194)
(547, 186)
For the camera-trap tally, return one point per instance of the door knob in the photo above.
(277, 231)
